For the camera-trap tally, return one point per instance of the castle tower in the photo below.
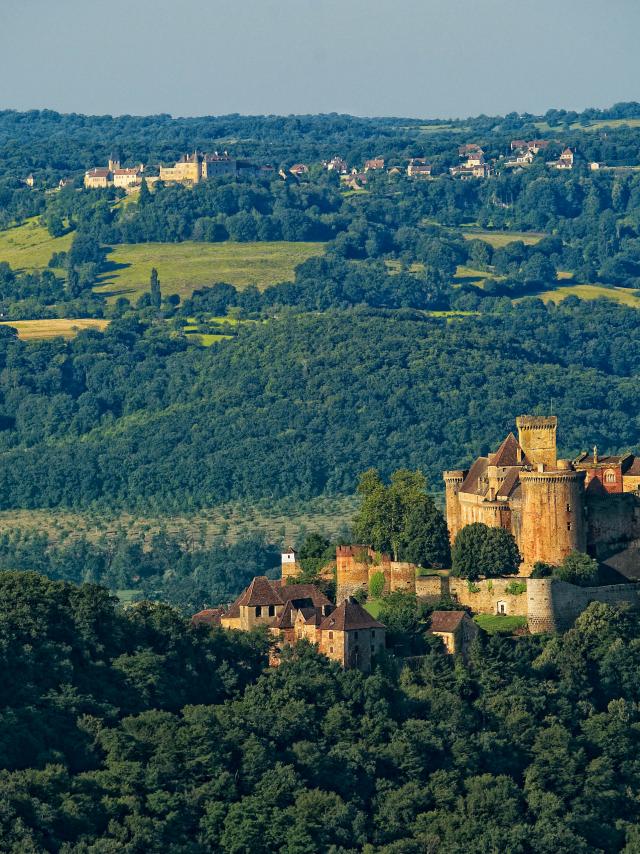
(352, 570)
(537, 438)
(553, 514)
(290, 566)
(453, 480)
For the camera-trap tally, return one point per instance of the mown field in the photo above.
(183, 267)
(38, 330)
(498, 239)
(591, 292)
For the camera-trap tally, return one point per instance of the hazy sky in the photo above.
(367, 57)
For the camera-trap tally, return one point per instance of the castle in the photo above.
(551, 506)
(197, 167)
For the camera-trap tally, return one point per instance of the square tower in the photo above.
(537, 438)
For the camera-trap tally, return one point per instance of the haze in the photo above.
(426, 58)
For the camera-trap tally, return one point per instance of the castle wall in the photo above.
(491, 593)
(352, 570)
(402, 576)
(553, 516)
(537, 438)
(553, 606)
(453, 480)
(431, 587)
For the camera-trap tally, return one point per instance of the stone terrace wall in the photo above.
(553, 606)
(491, 592)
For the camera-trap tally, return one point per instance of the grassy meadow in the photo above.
(498, 239)
(184, 267)
(29, 246)
(591, 292)
(500, 624)
(38, 330)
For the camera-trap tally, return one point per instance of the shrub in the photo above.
(376, 585)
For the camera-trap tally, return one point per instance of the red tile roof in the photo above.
(446, 621)
(295, 592)
(477, 470)
(350, 615)
(508, 454)
(208, 617)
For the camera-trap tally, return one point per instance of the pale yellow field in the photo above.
(37, 330)
(498, 239)
(591, 292)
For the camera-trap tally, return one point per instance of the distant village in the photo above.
(197, 166)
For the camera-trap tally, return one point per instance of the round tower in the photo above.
(453, 480)
(553, 514)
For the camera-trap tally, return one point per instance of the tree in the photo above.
(479, 551)
(376, 585)
(578, 568)
(156, 295)
(401, 518)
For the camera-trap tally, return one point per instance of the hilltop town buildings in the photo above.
(551, 506)
(197, 167)
(113, 175)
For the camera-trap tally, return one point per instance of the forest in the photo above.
(132, 730)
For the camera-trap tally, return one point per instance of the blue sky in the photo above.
(366, 57)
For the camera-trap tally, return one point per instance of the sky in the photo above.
(414, 58)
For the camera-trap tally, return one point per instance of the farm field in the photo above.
(30, 246)
(183, 267)
(591, 292)
(39, 330)
(595, 125)
(498, 239)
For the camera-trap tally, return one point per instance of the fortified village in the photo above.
(551, 506)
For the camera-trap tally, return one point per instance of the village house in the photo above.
(374, 164)
(299, 169)
(113, 175)
(336, 164)
(418, 167)
(565, 161)
(97, 178)
(456, 628)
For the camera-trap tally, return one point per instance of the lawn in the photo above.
(625, 296)
(30, 246)
(595, 125)
(373, 607)
(500, 624)
(498, 239)
(183, 267)
(38, 330)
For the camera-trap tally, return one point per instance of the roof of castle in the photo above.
(471, 483)
(446, 621)
(510, 483)
(508, 454)
(295, 592)
(261, 592)
(632, 467)
(350, 615)
(208, 617)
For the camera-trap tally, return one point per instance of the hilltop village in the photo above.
(553, 508)
(198, 166)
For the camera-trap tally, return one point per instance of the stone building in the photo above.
(456, 628)
(197, 167)
(552, 507)
(264, 601)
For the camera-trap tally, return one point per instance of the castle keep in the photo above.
(552, 507)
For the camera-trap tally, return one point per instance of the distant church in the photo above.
(551, 506)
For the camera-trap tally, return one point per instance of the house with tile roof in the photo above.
(456, 628)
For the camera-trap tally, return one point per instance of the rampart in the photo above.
(553, 606)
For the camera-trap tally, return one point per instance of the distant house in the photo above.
(474, 167)
(456, 628)
(126, 178)
(565, 161)
(29, 180)
(208, 617)
(534, 145)
(374, 164)
(299, 169)
(355, 181)
(336, 164)
(469, 148)
(594, 166)
(417, 167)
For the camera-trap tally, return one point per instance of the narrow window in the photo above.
(258, 610)
(568, 526)
(568, 508)
(272, 610)
(330, 649)
(330, 635)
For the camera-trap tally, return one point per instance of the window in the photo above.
(568, 526)
(373, 634)
(330, 635)
(272, 610)
(568, 508)
(330, 649)
(355, 635)
(258, 610)
(610, 477)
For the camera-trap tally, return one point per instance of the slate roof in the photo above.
(348, 616)
(446, 621)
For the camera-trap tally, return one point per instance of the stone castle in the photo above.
(551, 506)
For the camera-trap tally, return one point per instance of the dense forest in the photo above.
(137, 417)
(131, 730)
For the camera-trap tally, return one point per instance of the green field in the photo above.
(183, 267)
(596, 125)
(590, 292)
(29, 246)
(373, 607)
(498, 239)
(38, 330)
(500, 624)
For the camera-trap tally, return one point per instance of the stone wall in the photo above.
(553, 606)
(489, 596)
